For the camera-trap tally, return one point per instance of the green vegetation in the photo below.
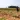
(2, 19)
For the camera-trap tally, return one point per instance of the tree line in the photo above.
(14, 7)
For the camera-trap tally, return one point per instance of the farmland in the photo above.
(8, 13)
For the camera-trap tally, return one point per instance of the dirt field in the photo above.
(8, 14)
(9, 17)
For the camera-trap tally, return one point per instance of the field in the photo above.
(8, 13)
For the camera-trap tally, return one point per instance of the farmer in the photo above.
(17, 9)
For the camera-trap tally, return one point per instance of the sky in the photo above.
(6, 3)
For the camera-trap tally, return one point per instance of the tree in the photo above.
(14, 7)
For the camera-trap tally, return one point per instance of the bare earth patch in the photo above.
(9, 17)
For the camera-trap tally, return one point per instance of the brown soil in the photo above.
(9, 17)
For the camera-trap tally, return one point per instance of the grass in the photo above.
(2, 19)
(7, 10)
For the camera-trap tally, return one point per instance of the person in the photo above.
(17, 9)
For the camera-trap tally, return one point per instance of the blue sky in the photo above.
(6, 3)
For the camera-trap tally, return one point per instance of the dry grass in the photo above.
(8, 13)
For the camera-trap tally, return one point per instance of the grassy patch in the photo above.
(2, 19)
(14, 15)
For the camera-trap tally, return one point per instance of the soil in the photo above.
(9, 17)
